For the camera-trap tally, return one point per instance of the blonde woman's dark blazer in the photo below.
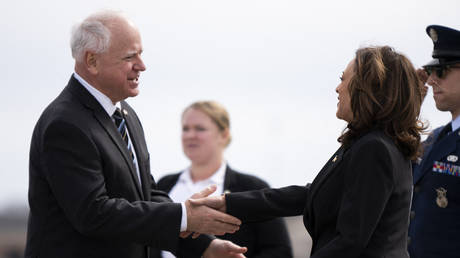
(263, 239)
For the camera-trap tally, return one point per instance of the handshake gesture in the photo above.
(206, 215)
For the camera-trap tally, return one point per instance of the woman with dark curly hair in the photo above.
(358, 204)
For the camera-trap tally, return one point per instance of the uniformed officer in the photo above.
(434, 229)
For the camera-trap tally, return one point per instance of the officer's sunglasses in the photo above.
(440, 70)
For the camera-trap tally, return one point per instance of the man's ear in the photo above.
(91, 62)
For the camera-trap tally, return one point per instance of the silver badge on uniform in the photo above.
(441, 200)
(452, 158)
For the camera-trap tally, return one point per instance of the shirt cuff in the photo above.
(183, 222)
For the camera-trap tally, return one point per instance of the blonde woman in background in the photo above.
(205, 136)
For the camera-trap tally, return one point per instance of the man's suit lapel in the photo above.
(110, 128)
(106, 122)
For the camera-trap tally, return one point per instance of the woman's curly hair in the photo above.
(386, 94)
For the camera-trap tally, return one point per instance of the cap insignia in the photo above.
(433, 35)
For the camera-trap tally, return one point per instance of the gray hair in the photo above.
(92, 34)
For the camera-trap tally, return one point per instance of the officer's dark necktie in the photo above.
(120, 122)
(445, 131)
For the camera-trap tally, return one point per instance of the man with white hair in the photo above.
(91, 193)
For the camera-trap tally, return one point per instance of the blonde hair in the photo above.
(216, 112)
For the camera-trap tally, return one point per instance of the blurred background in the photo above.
(273, 64)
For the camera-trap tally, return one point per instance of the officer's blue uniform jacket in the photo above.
(434, 229)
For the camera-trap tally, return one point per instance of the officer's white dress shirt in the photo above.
(455, 123)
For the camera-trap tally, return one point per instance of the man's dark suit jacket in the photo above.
(434, 230)
(84, 193)
(263, 239)
(357, 206)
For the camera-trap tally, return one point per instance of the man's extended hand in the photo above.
(223, 249)
(206, 220)
(204, 193)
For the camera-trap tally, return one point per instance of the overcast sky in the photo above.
(273, 64)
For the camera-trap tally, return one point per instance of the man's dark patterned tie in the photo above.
(120, 122)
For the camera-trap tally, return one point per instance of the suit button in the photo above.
(416, 189)
(408, 240)
(412, 215)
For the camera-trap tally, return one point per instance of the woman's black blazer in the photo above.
(357, 206)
